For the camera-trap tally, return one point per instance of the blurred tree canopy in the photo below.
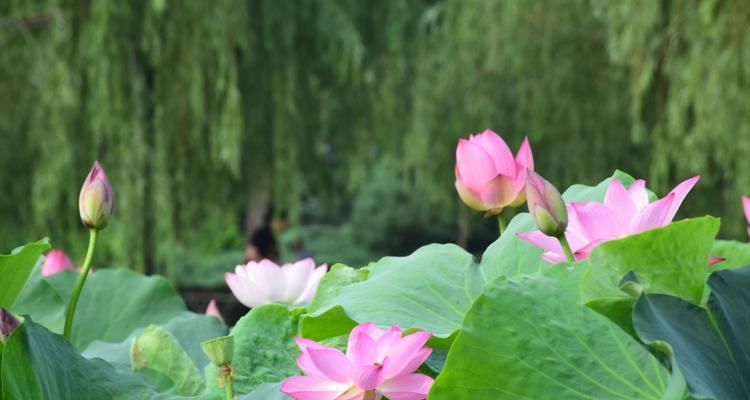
(200, 109)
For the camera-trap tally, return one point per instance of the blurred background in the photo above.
(337, 120)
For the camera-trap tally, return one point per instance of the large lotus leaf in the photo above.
(736, 254)
(668, 260)
(158, 351)
(710, 344)
(527, 337)
(510, 255)
(15, 269)
(264, 348)
(431, 290)
(38, 364)
(113, 304)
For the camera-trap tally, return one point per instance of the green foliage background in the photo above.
(194, 107)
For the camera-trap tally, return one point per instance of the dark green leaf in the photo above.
(710, 344)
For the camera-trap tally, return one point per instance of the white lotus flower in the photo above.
(258, 283)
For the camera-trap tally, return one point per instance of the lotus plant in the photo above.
(55, 261)
(95, 204)
(623, 212)
(377, 363)
(488, 177)
(746, 208)
(258, 283)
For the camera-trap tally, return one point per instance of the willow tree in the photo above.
(200, 111)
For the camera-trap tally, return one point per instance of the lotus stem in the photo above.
(566, 248)
(500, 224)
(71, 310)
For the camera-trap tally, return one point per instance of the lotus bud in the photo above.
(219, 350)
(54, 262)
(546, 205)
(8, 323)
(213, 311)
(96, 200)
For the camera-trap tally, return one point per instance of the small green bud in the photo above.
(546, 205)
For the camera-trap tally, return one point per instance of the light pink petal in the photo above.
(553, 258)
(354, 393)
(538, 239)
(638, 194)
(312, 388)
(213, 311)
(475, 165)
(596, 221)
(583, 252)
(54, 262)
(654, 215)
(297, 276)
(498, 150)
(680, 192)
(403, 352)
(746, 207)
(469, 198)
(524, 158)
(332, 363)
(268, 274)
(499, 192)
(362, 350)
(245, 291)
(417, 359)
(406, 387)
(618, 200)
(367, 377)
(387, 340)
(369, 329)
(304, 361)
(312, 284)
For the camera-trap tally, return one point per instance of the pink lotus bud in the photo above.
(546, 205)
(8, 323)
(213, 311)
(96, 200)
(54, 262)
(488, 177)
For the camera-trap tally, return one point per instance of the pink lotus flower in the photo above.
(54, 262)
(377, 363)
(96, 200)
(213, 311)
(488, 178)
(623, 213)
(258, 283)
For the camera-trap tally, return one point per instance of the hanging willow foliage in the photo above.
(198, 109)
